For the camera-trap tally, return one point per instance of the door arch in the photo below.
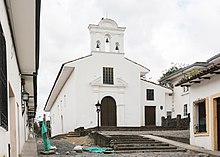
(108, 112)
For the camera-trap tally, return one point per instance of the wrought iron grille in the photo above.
(3, 82)
(4, 121)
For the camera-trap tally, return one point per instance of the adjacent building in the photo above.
(108, 77)
(205, 105)
(19, 60)
(196, 91)
(181, 94)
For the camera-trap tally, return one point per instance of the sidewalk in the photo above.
(30, 148)
(184, 145)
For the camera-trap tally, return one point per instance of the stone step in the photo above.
(137, 143)
(131, 138)
(141, 145)
(133, 142)
(135, 139)
(63, 136)
(146, 148)
(72, 134)
(127, 136)
(143, 128)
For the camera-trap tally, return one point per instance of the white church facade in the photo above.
(107, 76)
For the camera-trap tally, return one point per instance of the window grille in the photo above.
(108, 76)
(150, 94)
(200, 116)
(3, 82)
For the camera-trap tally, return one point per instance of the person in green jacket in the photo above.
(44, 134)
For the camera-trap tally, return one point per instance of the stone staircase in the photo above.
(135, 143)
(66, 135)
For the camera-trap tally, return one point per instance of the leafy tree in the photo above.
(38, 126)
(37, 129)
(174, 67)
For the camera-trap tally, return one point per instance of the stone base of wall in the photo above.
(177, 122)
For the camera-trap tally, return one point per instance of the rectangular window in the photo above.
(185, 89)
(200, 116)
(3, 82)
(185, 110)
(150, 94)
(108, 75)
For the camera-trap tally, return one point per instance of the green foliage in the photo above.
(37, 129)
(190, 74)
(38, 126)
(175, 67)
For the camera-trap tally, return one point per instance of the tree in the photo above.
(174, 67)
(37, 129)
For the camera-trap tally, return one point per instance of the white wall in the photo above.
(15, 82)
(81, 96)
(64, 105)
(160, 99)
(4, 136)
(98, 33)
(205, 89)
(168, 102)
(129, 97)
(179, 99)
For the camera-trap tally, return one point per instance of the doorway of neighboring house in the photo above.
(150, 115)
(218, 122)
(108, 112)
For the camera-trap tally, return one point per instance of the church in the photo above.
(107, 77)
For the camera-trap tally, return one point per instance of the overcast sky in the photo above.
(158, 33)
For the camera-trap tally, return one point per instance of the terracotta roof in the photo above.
(182, 70)
(214, 57)
(142, 79)
(205, 74)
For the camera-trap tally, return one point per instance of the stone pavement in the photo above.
(30, 148)
(185, 146)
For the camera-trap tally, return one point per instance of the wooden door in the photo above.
(150, 115)
(218, 122)
(108, 112)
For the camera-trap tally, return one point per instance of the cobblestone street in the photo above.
(64, 147)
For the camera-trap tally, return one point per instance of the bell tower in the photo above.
(107, 37)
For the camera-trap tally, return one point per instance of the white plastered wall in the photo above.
(15, 102)
(81, 96)
(205, 89)
(160, 99)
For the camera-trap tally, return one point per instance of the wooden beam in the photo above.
(194, 82)
(216, 72)
(208, 78)
(187, 85)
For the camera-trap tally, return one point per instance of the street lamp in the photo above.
(98, 109)
(25, 96)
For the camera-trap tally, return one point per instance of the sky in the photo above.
(158, 33)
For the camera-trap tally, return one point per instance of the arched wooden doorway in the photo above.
(108, 112)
